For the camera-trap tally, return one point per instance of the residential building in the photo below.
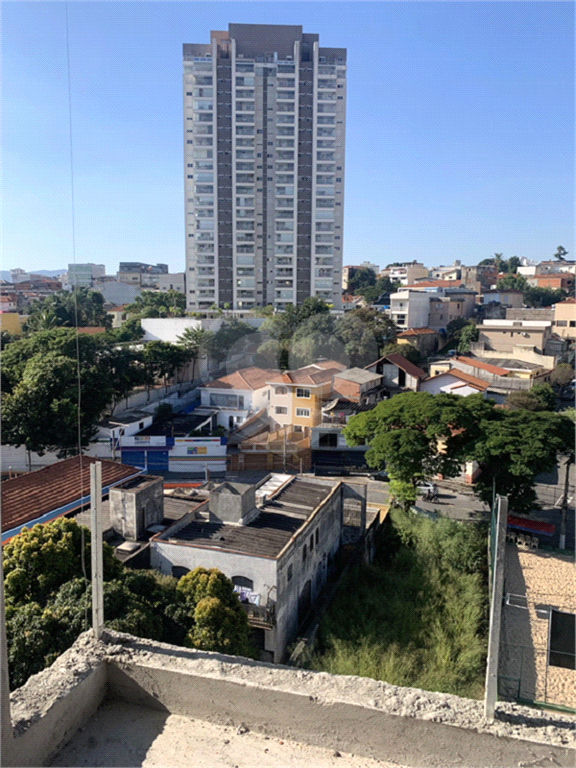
(172, 282)
(565, 319)
(405, 273)
(139, 273)
(503, 335)
(118, 315)
(83, 275)
(237, 395)
(555, 280)
(357, 384)
(426, 340)
(410, 309)
(478, 278)
(448, 307)
(276, 546)
(297, 397)
(530, 313)
(330, 454)
(8, 302)
(555, 266)
(264, 125)
(397, 372)
(452, 273)
(508, 298)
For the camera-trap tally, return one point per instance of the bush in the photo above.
(417, 615)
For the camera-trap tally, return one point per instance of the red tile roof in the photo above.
(28, 497)
(90, 330)
(245, 378)
(475, 363)
(400, 362)
(433, 284)
(567, 301)
(316, 373)
(415, 332)
(464, 377)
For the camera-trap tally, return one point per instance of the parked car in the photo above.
(382, 475)
(425, 487)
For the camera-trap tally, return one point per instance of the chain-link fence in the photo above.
(536, 660)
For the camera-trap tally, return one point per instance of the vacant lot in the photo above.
(417, 616)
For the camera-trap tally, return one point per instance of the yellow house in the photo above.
(565, 319)
(296, 397)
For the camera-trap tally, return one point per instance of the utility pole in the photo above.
(96, 548)
(496, 594)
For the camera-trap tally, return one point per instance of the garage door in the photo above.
(133, 458)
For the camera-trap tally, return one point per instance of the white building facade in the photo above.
(264, 126)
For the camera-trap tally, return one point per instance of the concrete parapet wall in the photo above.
(359, 715)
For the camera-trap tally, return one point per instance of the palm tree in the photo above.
(195, 342)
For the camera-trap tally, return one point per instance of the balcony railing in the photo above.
(260, 615)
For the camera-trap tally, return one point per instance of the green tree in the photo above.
(81, 306)
(196, 342)
(162, 360)
(417, 435)
(561, 253)
(220, 343)
(382, 285)
(41, 388)
(535, 296)
(455, 326)
(219, 622)
(511, 283)
(466, 336)
(155, 304)
(378, 324)
(315, 338)
(360, 278)
(41, 559)
(561, 376)
(409, 351)
(359, 340)
(514, 447)
(545, 396)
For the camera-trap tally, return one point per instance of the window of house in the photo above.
(242, 581)
(329, 440)
(562, 323)
(280, 409)
(304, 553)
(311, 542)
(317, 535)
(141, 425)
(302, 392)
(572, 323)
(289, 574)
(303, 412)
(280, 391)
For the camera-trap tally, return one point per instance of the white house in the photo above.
(398, 372)
(410, 309)
(238, 395)
(455, 382)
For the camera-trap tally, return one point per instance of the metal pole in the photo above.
(497, 588)
(96, 548)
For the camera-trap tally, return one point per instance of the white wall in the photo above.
(446, 383)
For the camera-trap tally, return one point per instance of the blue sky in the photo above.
(460, 127)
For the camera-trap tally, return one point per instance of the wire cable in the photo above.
(74, 294)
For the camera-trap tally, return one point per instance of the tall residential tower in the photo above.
(264, 125)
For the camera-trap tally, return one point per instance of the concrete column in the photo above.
(497, 588)
(96, 548)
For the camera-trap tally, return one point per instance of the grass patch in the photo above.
(417, 616)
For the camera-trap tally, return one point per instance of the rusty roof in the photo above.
(28, 497)
(476, 363)
(401, 362)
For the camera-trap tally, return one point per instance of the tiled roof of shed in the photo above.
(474, 362)
(401, 362)
(28, 497)
(415, 332)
